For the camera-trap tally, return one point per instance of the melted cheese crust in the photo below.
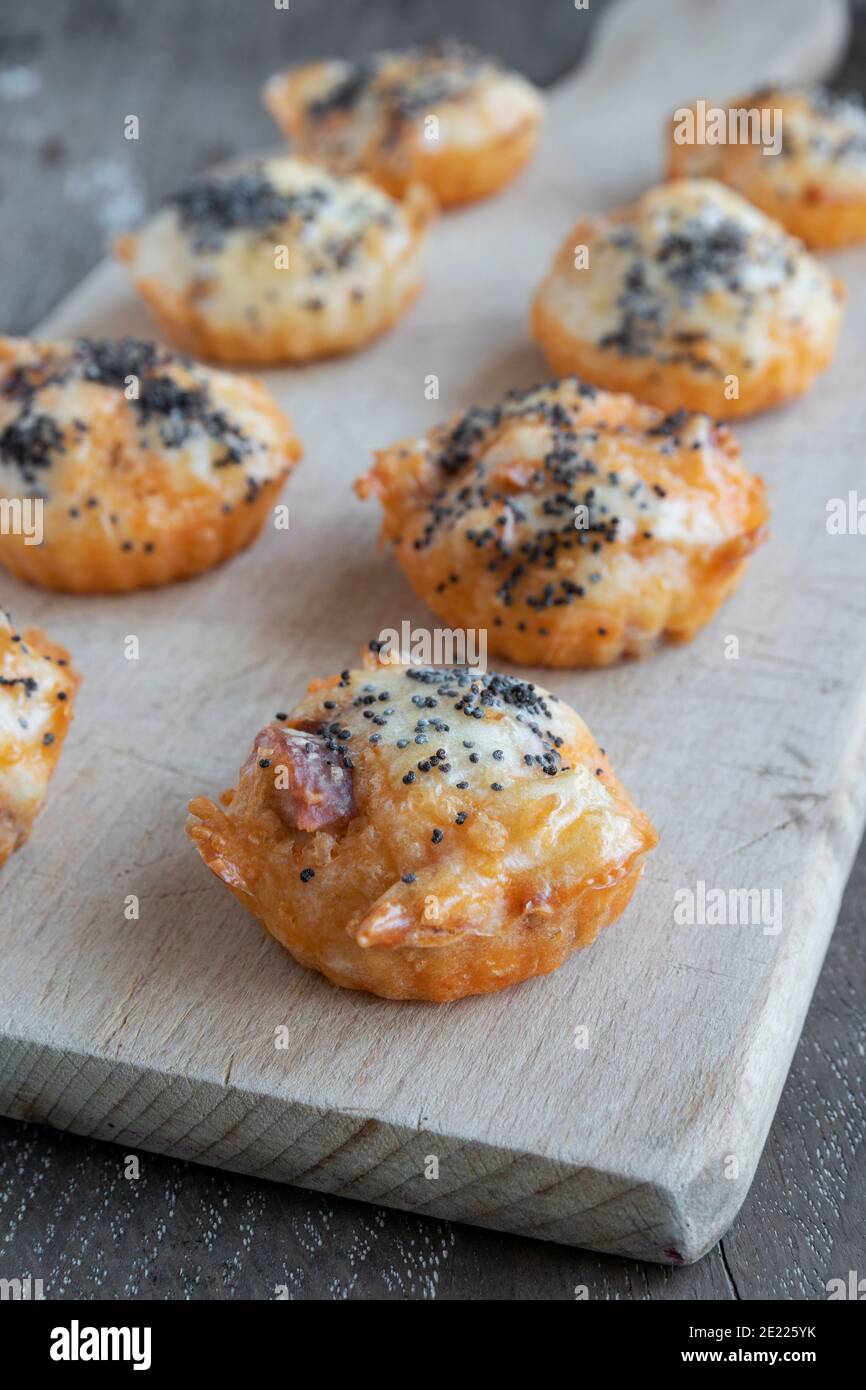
(816, 185)
(683, 292)
(489, 839)
(37, 693)
(575, 526)
(444, 116)
(147, 467)
(279, 261)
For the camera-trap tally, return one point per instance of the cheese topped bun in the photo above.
(442, 115)
(427, 832)
(575, 526)
(279, 262)
(691, 298)
(37, 693)
(812, 179)
(142, 467)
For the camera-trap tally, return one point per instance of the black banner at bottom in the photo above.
(243, 1337)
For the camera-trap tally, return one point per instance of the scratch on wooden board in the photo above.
(758, 839)
(702, 970)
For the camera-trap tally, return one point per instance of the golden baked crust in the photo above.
(575, 526)
(440, 115)
(691, 297)
(279, 262)
(427, 833)
(815, 185)
(37, 693)
(147, 467)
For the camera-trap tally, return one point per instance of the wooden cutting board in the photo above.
(159, 1033)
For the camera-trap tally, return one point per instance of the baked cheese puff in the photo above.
(427, 832)
(132, 466)
(37, 694)
(279, 262)
(575, 526)
(441, 115)
(798, 154)
(690, 298)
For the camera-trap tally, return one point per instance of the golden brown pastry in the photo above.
(691, 298)
(575, 526)
(427, 833)
(279, 262)
(37, 694)
(440, 115)
(146, 467)
(815, 185)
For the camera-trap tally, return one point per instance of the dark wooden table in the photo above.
(70, 71)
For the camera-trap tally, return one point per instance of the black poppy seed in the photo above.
(460, 817)
(307, 874)
(280, 715)
(498, 754)
(264, 762)
(461, 786)
(409, 777)
(61, 695)
(437, 837)
(474, 757)
(408, 878)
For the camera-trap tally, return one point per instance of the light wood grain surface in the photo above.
(155, 971)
